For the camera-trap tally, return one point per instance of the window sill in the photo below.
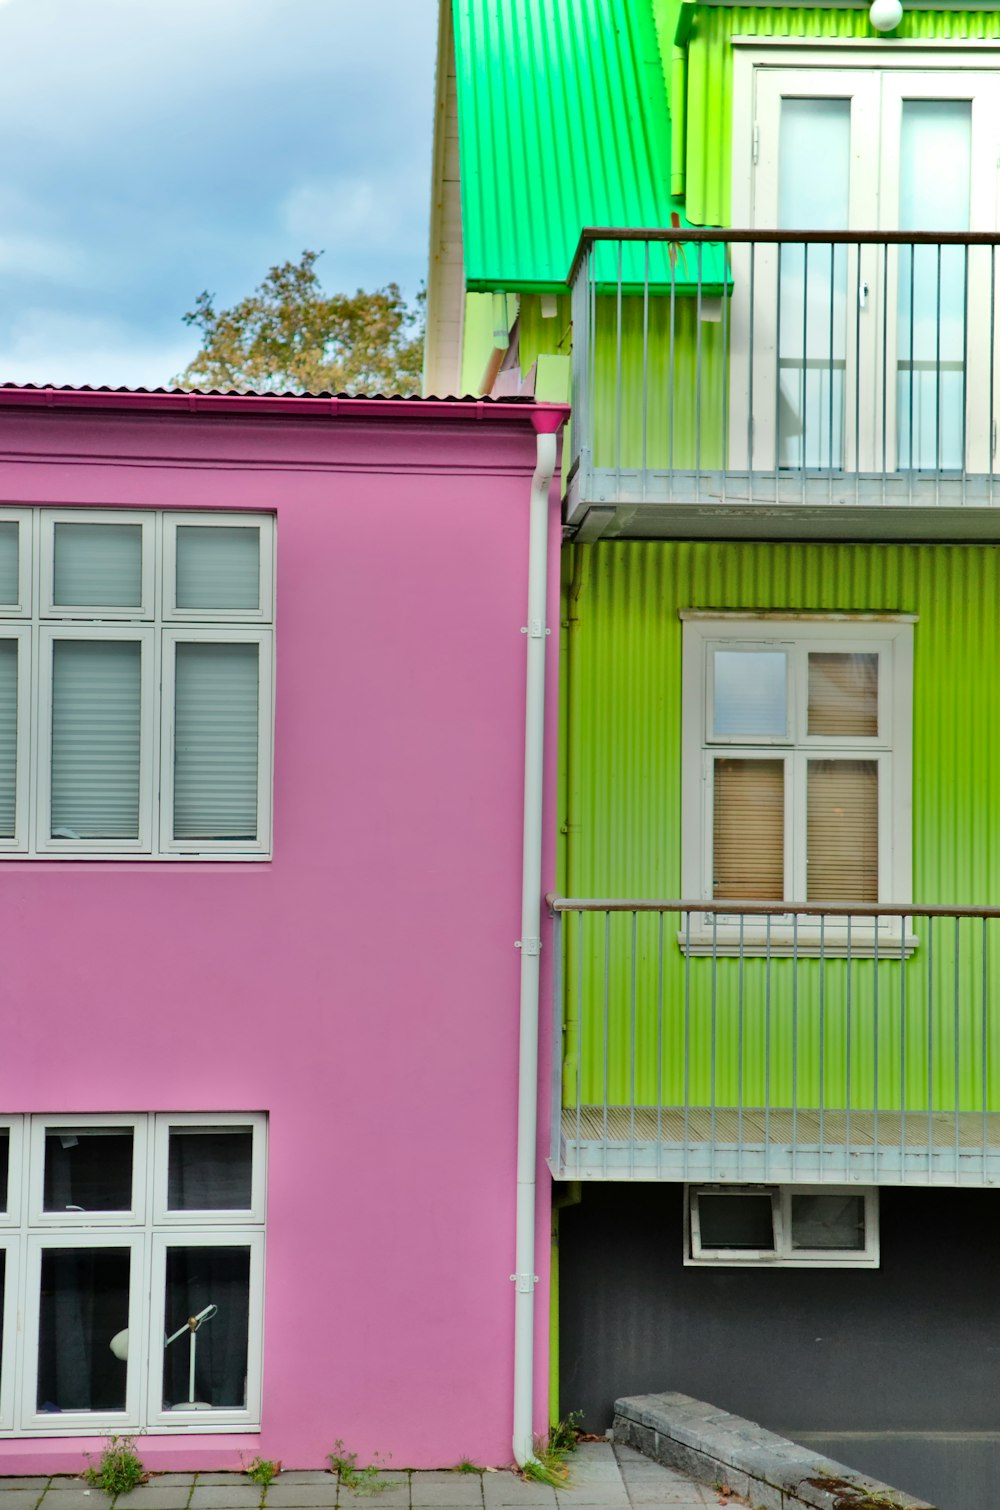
(726, 943)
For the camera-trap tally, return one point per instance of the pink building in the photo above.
(262, 762)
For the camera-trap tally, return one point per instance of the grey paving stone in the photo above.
(502, 1489)
(456, 1490)
(76, 1498)
(226, 1480)
(390, 1489)
(215, 1497)
(20, 1499)
(169, 1480)
(150, 1497)
(36, 1481)
(303, 1496)
(304, 1476)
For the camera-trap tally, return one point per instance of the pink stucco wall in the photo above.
(362, 987)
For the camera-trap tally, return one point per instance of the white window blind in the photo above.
(98, 565)
(8, 737)
(216, 739)
(96, 700)
(10, 532)
(218, 566)
(749, 830)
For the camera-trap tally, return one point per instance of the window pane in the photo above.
(8, 737)
(95, 739)
(210, 1169)
(750, 693)
(198, 1279)
(98, 565)
(83, 1303)
(828, 1221)
(736, 1221)
(88, 1169)
(9, 539)
(3, 1297)
(4, 1167)
(218, 566)
(843, 694)
(215, 741)
(749, 830)
(842, 831)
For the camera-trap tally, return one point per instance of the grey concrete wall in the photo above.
(904, 1360)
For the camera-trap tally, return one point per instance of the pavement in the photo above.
(602, 1477)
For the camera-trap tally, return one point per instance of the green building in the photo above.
(756, 246)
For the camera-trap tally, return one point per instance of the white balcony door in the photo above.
(873, 361)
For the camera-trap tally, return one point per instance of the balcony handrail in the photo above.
(715, 235)
(557, 904)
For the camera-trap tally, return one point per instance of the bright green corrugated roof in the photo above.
(563, 122)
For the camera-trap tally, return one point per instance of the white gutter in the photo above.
(530, 945)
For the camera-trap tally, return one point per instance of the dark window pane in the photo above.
(735, 1221)
(210, 1169)
(82, 1305)
(4, 1167)
(828, 1221)
(199, 1279)
(88, 1169)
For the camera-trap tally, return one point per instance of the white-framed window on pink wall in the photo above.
(136, 683)
(132, 1249)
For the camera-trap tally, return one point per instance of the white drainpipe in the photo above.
(529, 944)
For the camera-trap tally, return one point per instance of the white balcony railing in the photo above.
(785, 368)
(767, 1041)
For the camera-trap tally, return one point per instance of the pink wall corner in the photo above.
(362, 986)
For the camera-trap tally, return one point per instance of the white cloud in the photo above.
(48, 346)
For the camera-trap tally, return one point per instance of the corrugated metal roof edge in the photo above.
(543, 417)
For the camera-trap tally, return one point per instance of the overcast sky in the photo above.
(153, 148)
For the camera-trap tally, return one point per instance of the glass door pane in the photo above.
(812, 282)
(935, 162)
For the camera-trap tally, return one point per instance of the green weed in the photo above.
(119, 1469)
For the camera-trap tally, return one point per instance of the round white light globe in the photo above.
(885, 15)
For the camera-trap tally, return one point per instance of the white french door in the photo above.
(878, 360)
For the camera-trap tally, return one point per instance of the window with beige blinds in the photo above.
(749, 830)
(843, 694)
(842, 831)
(797, 740)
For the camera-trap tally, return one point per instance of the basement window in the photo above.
(794, 1226)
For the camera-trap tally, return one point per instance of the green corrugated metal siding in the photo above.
(709, 76)
(563, 122)
(623, 797)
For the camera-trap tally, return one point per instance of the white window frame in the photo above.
(145, 638)
(163, 1216)
(157, 625)
(21, 635)
(25, 556)
(14, 1127)
(782, 1255)
(8, 1328)
(80, 1221)
(32, 1419)
(263, 523)
(147, 1232)
(200, 1237)
(888, 635)
(49, 609)
(265, 726)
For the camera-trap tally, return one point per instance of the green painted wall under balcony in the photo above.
(622, 803)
